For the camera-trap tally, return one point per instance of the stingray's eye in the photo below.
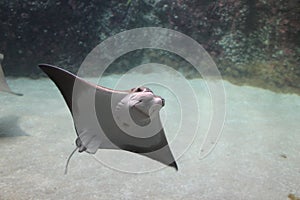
(139, 90)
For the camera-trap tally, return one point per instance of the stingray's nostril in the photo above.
(162, 101)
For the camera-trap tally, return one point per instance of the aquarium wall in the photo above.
(254, 42)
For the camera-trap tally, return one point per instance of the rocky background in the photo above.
(256, 42)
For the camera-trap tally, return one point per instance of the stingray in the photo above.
(3, 84)
(113, 119)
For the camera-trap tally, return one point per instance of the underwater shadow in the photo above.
(9, 127)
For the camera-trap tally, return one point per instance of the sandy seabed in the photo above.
(256, 157)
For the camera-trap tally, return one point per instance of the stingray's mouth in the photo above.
(151, 111)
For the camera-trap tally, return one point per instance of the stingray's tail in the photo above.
(69, 158)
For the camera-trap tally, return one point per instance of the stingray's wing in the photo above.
(3, 84)
(80, 98)
(91, 107)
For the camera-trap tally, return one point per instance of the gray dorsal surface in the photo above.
(100, 120)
